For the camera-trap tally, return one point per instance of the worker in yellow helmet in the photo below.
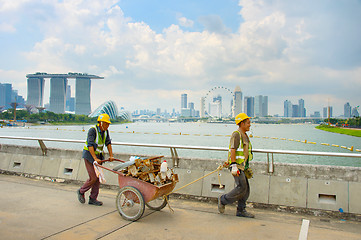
(98, 136)
(240, 153)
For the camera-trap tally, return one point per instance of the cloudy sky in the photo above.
(150, 52)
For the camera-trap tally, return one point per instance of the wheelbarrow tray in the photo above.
(148, 190)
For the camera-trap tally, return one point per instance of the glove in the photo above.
(234, 169)
(248, 173)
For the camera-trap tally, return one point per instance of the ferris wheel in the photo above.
(218, 102)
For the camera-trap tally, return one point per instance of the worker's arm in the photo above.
(110, 151)
(92, 152)
(233, 155)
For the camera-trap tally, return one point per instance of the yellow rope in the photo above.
(219, 179)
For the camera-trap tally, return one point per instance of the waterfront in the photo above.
(265, 136)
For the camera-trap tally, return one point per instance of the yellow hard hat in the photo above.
(104, 118)
(240, 117)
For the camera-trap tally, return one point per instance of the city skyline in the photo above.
(289, 109)
(150, 52)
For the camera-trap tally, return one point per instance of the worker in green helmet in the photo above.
(240, 153)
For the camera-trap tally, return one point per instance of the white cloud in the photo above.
(5, 27)
(184, 22)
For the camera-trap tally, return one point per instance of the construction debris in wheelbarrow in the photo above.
(148, 170)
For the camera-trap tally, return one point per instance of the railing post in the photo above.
(43, 147)
(270, 165)
(174, 157)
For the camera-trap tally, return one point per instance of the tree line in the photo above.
(354, 122)
(49, 117)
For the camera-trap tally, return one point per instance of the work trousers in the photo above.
(240, 193)
(92, 182)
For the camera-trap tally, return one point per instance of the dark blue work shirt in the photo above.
(91, 143)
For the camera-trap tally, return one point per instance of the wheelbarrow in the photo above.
(135, 194)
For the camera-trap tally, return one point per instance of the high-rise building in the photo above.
(265, 106)
(58, 91)
(325, 112)
(184, 100)
(5, 95)
(2, 97)
(82, 95)
(215, 109)
(35, 91)
(260, 106)
(70, 101)
(347, 110)
(287, 108)
(191, 107)
(202, 111)
(355, 112)
(249, 106)
(301, 108)
(58, 94)
(237, 102)
(295, 110)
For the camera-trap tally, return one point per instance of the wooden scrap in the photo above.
(151, 177)
(133, 170)
(148, 170)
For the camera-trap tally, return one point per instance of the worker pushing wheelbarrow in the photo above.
(142, 182)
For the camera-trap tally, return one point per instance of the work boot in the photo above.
(80, 197)
(244, 213)
(95, 202)
(221, 206)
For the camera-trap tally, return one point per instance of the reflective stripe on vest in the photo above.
(98, 140)
(239, 153)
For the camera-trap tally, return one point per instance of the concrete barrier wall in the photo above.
(305, 186)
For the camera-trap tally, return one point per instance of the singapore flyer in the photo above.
(218, 102)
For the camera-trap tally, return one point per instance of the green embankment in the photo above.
(352, 132)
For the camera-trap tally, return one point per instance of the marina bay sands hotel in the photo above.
(58, 88)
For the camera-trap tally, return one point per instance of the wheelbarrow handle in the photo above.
(107, 160)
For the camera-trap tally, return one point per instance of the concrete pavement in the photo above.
(39, 209)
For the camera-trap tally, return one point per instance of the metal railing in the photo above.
(173, 149)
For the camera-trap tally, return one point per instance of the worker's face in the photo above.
(104, 125)
(246, 124)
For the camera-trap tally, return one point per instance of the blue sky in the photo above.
(150, 52)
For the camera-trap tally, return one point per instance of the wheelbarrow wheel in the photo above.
(130, 203)
(158, 203)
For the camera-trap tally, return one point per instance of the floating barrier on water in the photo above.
(216, 135)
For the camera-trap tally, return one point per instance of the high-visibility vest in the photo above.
(239, 154)
(98, 140)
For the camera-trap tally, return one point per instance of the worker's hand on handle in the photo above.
(234, 169)
(98, 160)
(111, 158)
